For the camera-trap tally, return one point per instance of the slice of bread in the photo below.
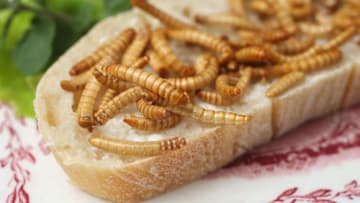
(129, 179)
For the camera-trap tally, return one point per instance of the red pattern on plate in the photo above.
(351, 191)
(15, 154)
(318, 143)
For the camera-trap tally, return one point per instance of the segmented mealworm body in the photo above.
(255, 55)
(340, 39)
(295, 46)
(309, 64)
(162, 16)
(159, 43)
(315, 30)
(224, 87)
(214, 98)
(152, 125)
(151, 111)
(137, 46)
(76, 83)
(236, 7)
(133, 148)
(276, 35)
(108, 95)
(115, 105)
(284, 16)
(210, 116)
(157, 64)
(244, 80)
(262, 8)
(285, 83)
(110, 49)
(200, 80)
(203, 39)
(225, 19)
(149, 81)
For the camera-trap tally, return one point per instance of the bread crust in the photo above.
(149, 177)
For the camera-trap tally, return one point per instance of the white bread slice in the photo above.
(130, 179)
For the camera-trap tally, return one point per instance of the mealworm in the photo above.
(76, 83)
(303, 11)
(149, 81)
(255, 55)
(161, 15)
(309, 64)
(295, 46)
(159, 43)
(203, 39)
(201, 62)
(135, 148)
(315, 30)
(157, 64)
(244, 80)
(262, 8)
(274, 36)
(152, 125)
(285, 83)
(214, 98)
(223, 86)
(137, 46)
(110, 49)
(115, 105)
(200, 80)
(210, 116)
(340, 39)
(236, 7)
(225, 19)
(151, 111)
(108, 95)
(283, 15)
(231, 66)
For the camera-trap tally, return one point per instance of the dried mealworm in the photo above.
(214, 98)
(295, 46)
(112, 49)
(315, 30)
(285, 83)
(200, 80)
(134, 148)
(276, 35)
(151, 111)
(340, 39)
(225, 19)
(284, 16)
(137, 46)
(159, 43)
(115, 105)
(237, 7)
(210, 116)
(224, 87)
(156, 63)
(255, 55)
(76, 83)
(309, 64)
(108, 96)
(232, 65)
(162, 16)
(303, 11)
(203, 39)
(152, 125)
(262, 8)
(244, 80)
(149, 81)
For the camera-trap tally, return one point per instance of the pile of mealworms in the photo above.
(274, 40)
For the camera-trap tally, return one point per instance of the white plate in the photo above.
(319, 162)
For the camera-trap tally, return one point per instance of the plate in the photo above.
(318, 162)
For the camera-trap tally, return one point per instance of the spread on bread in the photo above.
(279, 44)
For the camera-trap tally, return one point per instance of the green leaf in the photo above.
(14, 88)
(112, 7)
(33, 53)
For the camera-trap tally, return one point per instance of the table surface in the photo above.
(319, 162)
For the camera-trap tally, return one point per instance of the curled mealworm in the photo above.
(255, 55)
(244, 80)
(146, 148)
(156, 63)
(309, 64)
(210, 116)
(149, 81)
(224, 87)
(200, 80)
(285, 83)
(162, 16)
(159, 43)
(115, 105)
(225, 19)
(110, 49)
(203, 39)
(76, 83)
(214, 98)
(295, 46)
(137, 46)
(152, 125)
(108, 95)
(237, 7)
(151, 111)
